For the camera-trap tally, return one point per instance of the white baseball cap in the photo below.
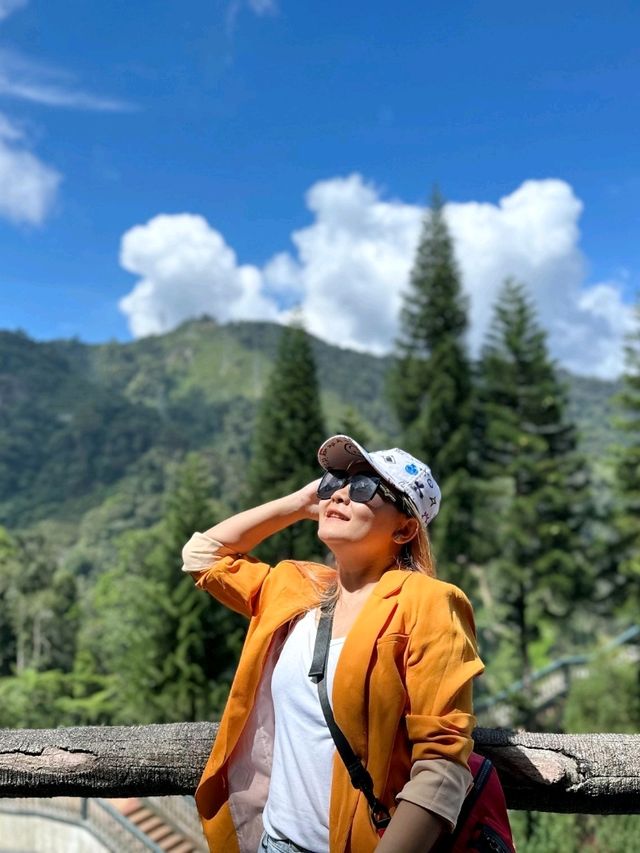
(406, 474)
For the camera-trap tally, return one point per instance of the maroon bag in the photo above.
(483, 824)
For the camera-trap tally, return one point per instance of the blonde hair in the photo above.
(416, 555)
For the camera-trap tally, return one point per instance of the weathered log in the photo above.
(591, 773)
(581, 774)
(104, 761)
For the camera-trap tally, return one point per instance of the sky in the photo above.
(163, 160)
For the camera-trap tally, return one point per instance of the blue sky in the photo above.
(239, 156)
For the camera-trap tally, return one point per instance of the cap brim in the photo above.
(340, 452)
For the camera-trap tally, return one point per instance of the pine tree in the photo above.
(430, 387)
(124, 635)
(352, 425)
(168, 649)
(534, 496)
(627, 526)
(289, 430)
(201, 639)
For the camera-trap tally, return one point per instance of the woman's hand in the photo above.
(309, 500)
(242, 532)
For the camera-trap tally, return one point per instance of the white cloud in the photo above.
(186, 270)
(283, 279)
(28, 186)
(354, 262)
(350, 269)
(27, 80)
(608, 321)
(9, 130)
(533, 235)
(8, 7)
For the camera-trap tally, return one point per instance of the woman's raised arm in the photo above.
(244, 531)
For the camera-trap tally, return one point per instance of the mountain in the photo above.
(77, 419)
(81, 425)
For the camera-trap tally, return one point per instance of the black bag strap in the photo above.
(480, 780)
(358, 774)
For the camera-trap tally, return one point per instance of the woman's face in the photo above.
(343, 521)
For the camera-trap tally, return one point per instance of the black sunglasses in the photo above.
(362, 487)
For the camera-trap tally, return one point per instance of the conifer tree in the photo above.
(534, 496)
(289, 430)
(430, 386)
(627, 515)
(201, 639)
(352, 425)
(168, 649)
(124, 635)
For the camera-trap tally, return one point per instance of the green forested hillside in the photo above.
(77, 422)
(96, 427)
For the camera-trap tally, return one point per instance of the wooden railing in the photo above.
(590, 773)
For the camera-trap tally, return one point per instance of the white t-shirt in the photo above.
(297, 807)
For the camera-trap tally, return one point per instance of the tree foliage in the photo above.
(533, 494)
(627, 511)
(607, 700)
(171, 648)
(201, 639)
(351, 424)
(289, 430)
(545, 832)
(38, 607)
(430, 385)
(7, 631)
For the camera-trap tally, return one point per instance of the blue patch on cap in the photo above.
(411, 469)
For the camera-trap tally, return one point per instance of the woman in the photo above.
(401, 689)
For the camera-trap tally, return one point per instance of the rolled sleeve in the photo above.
(233, 579)
(201, 552)
(440, 786)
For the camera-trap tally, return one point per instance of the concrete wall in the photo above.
(34, 834)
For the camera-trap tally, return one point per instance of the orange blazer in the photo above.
(401, 694)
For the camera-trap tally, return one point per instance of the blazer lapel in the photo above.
(349, 686)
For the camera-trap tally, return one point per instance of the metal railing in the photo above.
(552, 681)
(96, 816)
(181, 813)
